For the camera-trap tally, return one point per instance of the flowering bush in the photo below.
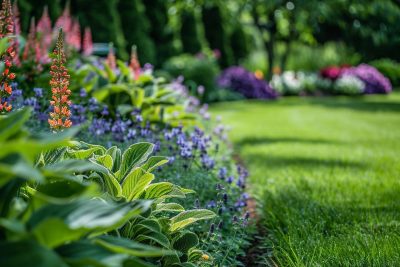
(246, 83)
(349, 85)
(333, 72)
(295, 83)
(389, 68)
(375, 82)
(343, 80)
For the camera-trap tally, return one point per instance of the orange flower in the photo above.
(7, 88)
(259, 74)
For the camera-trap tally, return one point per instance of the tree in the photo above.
(189, 32)
(371, 27)
(283, 20)
(136, 28)
(216, 32)
(163, 35)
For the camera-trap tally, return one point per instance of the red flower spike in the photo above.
(45, 37)
(87, 42)
(59, 118)
(111, 60)
(134, 63)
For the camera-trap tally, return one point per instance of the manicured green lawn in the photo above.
(326, 172)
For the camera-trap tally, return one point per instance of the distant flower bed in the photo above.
(333, 80)
(344, 80)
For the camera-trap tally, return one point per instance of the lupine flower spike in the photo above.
(87, 42)
(134, 63)
(74, 36)
(32, 50)
(111, 61)
(64, 22)
(44, 30)
(59, 118)
(6, 30)
(17, 31)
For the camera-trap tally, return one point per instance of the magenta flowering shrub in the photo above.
(246, 83)
(375, 82)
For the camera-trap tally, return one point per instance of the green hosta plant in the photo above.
(121, 93)
(128, 177)
(50, 212)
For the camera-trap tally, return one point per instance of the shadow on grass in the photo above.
(277, 162)
(348, 227)
(273, 140)
(360, 104)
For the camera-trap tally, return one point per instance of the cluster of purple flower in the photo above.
(375, 82)
(246, 83)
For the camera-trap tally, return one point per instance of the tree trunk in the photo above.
(285, 56)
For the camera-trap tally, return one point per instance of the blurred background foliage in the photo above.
(259, 34)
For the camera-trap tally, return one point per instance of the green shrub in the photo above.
(197, 71)
(189, 32)
(389, 68)
(136, 28)
(157, 13)
(216, 32)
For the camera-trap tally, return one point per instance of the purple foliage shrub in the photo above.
(245, 83)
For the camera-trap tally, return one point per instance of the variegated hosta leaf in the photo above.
(186, 218)
(135, 183)
(134, 156)
(56, 224)
(169, 207)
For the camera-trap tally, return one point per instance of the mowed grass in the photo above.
(326, 174)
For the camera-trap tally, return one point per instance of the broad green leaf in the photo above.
(106, 161)
(102, 93)
(116, 155)
(186, 218)
(52, 156)
(169, 207)
(111, 182)
(185, 241)
(55, 224)
(61, 191)
(12, 123)
(158, 190)
(135, 183)
(154, 162)
(135, 155)
(137, 97)
(151, 225)
(71, 166)
(85, 151)
(110, 73)
(156, 237)
(28, 253)
(14, 166)
(126, 246)
(31, 148)
(88, 253)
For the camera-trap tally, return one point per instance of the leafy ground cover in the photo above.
(326, 175)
